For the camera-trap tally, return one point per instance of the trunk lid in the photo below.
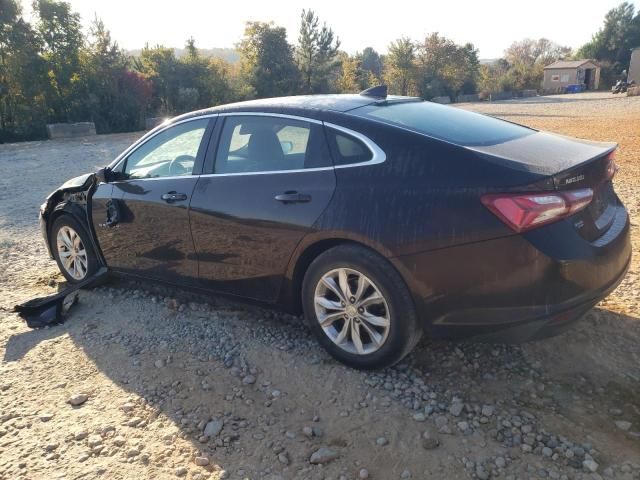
(566, 164)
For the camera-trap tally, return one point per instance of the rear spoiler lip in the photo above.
(510, 155)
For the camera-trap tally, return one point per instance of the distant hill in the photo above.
(228, 54)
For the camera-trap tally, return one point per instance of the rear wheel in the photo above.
(72, 249)
(359, 308)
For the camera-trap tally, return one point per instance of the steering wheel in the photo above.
(178, 161)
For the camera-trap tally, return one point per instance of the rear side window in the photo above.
(346, 149)
(451, 124)
(250, 144)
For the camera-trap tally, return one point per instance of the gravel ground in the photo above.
(144, 382)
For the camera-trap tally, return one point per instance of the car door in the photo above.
(142, 219)
(263, 187)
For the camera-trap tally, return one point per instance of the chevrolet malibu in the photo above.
(380, 218)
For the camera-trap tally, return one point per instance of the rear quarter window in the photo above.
(346, 149)
(451, 124)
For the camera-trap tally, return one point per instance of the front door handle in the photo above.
(171, 197)
(293, 197)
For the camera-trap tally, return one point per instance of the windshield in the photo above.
(445, 123)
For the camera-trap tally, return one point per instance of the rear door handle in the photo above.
(293, 197)
(171, 197)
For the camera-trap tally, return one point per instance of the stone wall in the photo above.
(70, 130)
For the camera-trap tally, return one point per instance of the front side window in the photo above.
(170, 153)
(269, 144)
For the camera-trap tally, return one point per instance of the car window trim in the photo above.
(122, 158)
(378, 155)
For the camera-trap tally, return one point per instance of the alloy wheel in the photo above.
(73, 255)
(352, 311)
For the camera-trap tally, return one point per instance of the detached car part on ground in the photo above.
(380, 218)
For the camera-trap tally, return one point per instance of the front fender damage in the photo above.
(73, 197)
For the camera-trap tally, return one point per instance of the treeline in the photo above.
(51, 72)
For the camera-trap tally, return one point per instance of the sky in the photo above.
(491, 25)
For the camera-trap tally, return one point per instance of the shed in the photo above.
(559, 75)
(634, 66)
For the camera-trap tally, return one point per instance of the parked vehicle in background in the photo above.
(380, 218)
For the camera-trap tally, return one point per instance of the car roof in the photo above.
(298, 104)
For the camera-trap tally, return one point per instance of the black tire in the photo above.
(404, 330)
(92, 259)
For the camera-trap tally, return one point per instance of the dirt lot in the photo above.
(182, 386)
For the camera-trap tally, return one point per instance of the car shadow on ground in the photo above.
(260, 373)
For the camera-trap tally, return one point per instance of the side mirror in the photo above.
(103, 175)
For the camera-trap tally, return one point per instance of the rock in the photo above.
(500, 462)
(456, 409)
(323, 455)
(419, 417)
(382, 441)
(45, 417)
(127, 407)
(307, 432)
(276, 393)
(405, 474)
(133, 452)
(283, 458)
(81, 435)
(249, 380)
(590, 465)
(213, 428)
(487, 410)
(181, 471)
(481, 473)
(78, 399)
(623, 425)
(201, 461)
(463, 426)
(134, 422)
(159, 363)
(94, 440)
(50, 447)
(429, 441)
(547, 452)
(119, 441)
(363, 474)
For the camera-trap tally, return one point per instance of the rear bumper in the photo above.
(517, 288)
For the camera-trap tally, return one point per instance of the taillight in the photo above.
(524, 211)
(612, 167)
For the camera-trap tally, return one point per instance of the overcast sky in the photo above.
(491, 25)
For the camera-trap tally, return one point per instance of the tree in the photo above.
(61, 33)
(349, 78)
(399, 67)
(527, 59)
(159, 65)
(23, 77)
(115, 99)
(267, 63)
(371, 61)
(316, 53)
(612, 44)
(445, 68)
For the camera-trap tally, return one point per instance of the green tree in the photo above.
(371, 61)
(316, 52)
(399, 67)
(109, 86)
(61, 33)
(266, 59)
(444, 68)
(159, 65)
(612, 44)
(22, 77)
(527, 59)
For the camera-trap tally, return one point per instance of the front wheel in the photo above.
(359, 308)
(72, 249)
